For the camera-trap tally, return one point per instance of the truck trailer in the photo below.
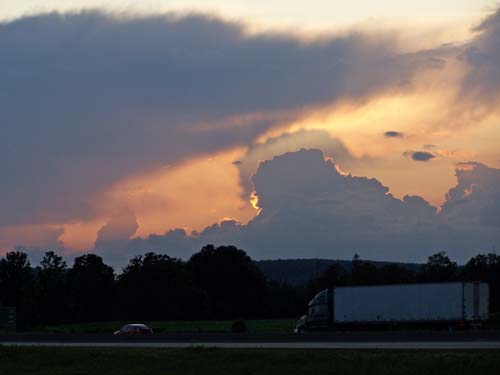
(445, 304)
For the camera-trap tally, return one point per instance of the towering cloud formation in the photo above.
(290, 142)
(310, 209)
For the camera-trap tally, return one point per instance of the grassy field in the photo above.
(255, 326)
(54, 361)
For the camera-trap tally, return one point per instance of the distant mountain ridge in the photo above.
(299, 271)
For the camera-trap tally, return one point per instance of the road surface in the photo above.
(403, 345)
(390, 340)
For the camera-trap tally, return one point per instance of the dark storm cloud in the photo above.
(90, 98)
(309, 209)
(393, 134)
(419, 155)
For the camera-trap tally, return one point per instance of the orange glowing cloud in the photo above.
(190, 195)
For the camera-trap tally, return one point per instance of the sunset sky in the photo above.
(161, 125)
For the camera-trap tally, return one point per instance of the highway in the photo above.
(404, 345)
(397, 340)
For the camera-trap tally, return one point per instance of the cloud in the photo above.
(115, 234)
(477, 193)
(419, 155)
(310, 205)
(289, 142)
(393, 134)
(490, 214)
(482, 55)
(90, 98)
(309, 209)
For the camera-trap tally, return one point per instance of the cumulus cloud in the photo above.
(476, 194)
(90, 98)
(393, 134)
(310, 209)
(288, 142)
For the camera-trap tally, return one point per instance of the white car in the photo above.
(134, 329)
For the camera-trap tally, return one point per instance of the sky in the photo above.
(313, 15)
(290, 129)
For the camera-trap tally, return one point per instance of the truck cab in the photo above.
(318, 313)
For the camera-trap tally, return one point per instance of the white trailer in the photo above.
(438, 303)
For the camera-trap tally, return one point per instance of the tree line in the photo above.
(215, 283)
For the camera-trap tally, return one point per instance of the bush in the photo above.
(239, 326)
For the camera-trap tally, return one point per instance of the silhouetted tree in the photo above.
(52, 287)
(334, 276)
(158, 287)
(233, 283)
(284, 301)
(17, 287)
(439, 268)
(92, 289)
(395, 274)
(363, 273)
(486, 268)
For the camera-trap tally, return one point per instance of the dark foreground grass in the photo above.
(54, 361)
(176, 326)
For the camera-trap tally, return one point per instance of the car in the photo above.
(134, 329)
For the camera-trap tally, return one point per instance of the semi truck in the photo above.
(438, 304)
